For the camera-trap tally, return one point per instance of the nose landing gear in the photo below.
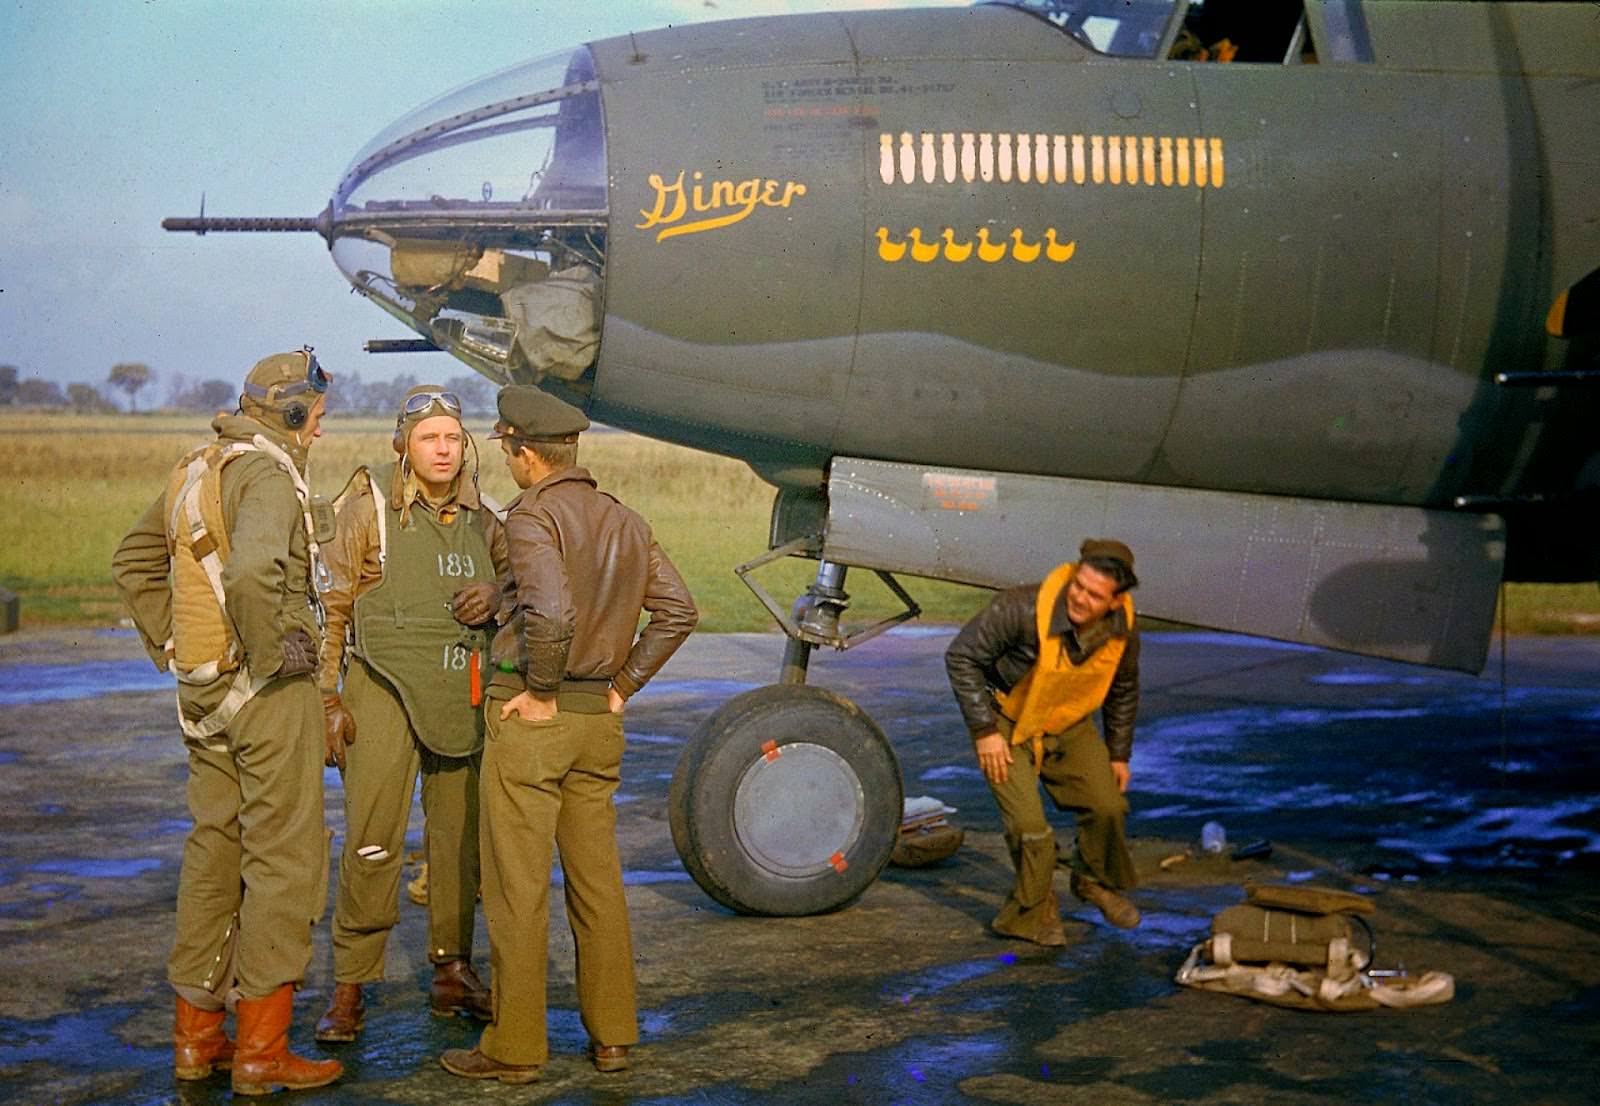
(787, 800)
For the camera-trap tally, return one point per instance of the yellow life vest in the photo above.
(204, 645)
(1056, 693)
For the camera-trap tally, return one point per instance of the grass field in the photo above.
(80, 481)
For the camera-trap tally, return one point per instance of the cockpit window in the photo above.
(1120, 28)
(479, 220)
(529, 136)
(1271, 32)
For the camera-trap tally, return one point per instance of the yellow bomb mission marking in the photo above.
(1050, 158)
(736, 199)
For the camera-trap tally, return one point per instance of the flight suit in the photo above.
(255, 862)
(407, 684)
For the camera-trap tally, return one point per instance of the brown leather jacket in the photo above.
(582, 567)
(1000, 645)
(352, 557)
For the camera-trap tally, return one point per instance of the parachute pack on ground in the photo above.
(1304, 947)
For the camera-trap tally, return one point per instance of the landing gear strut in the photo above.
(788, 800)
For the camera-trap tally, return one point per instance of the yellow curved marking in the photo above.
(1025, 252)
(1147, 150)
(1216, 163)
(1166, 162)
(1114, 158)
(988, 251)
(953, 252)
(1183, 163)
(889, 251)
(1200, 172)
(1130, 164)
(1057, 251)
(920, 250)
(1555, 320)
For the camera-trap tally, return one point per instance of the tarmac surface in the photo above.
(1466, 807)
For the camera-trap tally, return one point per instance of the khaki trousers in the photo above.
(255, 863)
(380, 775)
(1076, 772)
(549, 785)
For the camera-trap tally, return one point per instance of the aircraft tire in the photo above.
(786, 802)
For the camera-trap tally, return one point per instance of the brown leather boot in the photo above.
(1112, 906)
(1040, 924)
(345, 1016)
(457, 989)
(198, 1042)
(263, 1063)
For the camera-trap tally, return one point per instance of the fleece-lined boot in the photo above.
(199, 1044)
(262, 1062)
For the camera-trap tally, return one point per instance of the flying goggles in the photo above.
(317, 380)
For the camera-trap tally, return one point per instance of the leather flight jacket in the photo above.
(583, 567)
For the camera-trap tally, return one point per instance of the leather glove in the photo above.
(476, 604)
(338, 729)
(299, 653)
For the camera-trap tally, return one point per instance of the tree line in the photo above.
(173, 391)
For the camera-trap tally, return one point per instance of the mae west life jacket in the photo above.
(1055, 693)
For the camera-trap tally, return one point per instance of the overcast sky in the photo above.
(116, 113)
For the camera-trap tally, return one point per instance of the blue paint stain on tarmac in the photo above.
(84, 1041)
(99, 868)
(22, 684)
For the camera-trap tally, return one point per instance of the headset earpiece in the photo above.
(295, 415)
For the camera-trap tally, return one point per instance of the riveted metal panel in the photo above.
(1399, 582)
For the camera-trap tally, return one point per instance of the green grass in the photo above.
(79, 481)
(83, 480)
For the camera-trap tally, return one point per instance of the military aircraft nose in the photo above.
(479, 220)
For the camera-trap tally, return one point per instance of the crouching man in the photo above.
(1028, 673)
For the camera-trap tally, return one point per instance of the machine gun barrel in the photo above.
(207, 223)
(252, 224)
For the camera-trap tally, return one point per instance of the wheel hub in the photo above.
(798, 810)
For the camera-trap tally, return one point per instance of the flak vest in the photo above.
(404, 630)
(203, 646)
(1056, 693)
